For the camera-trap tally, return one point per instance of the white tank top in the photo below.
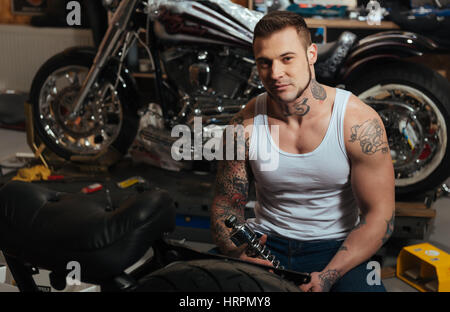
(303, 196)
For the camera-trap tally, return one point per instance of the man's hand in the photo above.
(321, 281)
(245, 257)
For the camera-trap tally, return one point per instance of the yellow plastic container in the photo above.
(424, 267)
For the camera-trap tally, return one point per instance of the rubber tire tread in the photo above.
(214, 276)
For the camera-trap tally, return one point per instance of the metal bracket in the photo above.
(432, 196)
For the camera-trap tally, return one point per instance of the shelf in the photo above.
(413, 209)
(348, 23)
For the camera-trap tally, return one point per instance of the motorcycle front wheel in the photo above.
(107, 121)
(214, 276)
(414, 103)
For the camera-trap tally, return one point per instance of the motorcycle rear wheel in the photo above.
(214, 276)
(414, 103)
(108, 122)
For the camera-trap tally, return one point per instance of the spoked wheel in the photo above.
(106, 120)
(214, 276)
(413, 102)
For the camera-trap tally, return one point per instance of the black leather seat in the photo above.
(325, 50)
(49, 229)
(332, 55)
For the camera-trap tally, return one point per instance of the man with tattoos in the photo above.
(328, 205)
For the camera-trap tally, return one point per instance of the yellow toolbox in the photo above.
(424, 267)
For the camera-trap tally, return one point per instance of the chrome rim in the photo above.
(415, 127)
(99, 122)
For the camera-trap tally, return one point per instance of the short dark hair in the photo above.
(278, 20)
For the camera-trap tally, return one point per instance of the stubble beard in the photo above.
(300, 92)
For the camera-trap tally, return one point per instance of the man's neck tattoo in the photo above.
(300, 109)
(318, 91)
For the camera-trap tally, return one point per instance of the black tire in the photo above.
(214, 276)
(130, 120)
(430, 83)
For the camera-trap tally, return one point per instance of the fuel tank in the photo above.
(213, 21)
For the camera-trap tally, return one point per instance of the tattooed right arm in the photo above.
(230, 196)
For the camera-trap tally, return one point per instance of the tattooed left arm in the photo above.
(373, 184)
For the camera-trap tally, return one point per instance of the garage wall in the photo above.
(6, 16)
(25, 48)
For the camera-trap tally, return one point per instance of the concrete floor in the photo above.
(438, 234)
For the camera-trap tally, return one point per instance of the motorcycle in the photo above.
(122, 250)
(85, 102)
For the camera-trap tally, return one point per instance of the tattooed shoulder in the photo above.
(237, 119)
(370, 136)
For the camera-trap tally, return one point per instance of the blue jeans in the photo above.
(310, 257)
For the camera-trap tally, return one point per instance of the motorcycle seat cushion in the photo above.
(49, 229)
(331, 55)
(325, 50)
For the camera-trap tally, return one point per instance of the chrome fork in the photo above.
(108, 46)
